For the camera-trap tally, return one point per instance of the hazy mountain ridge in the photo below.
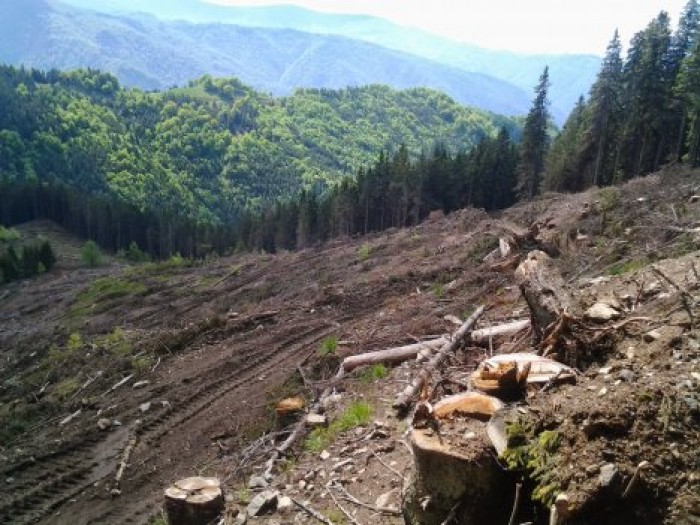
(154, 54)
(572, 75)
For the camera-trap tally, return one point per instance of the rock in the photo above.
(145, 407)
(651, 336)
(284, 504)
(331, 401)
(608, 475)
(603, 391)
(626, 375)
(257, 482)
(592, 469)
(104, 423)
(468, 436)
(141, 384)
(383, 500)
(601, 312)
(262, 502)
(324, 455)
(240, 519)
(315, 420)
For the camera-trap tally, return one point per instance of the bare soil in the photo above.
(221, 341)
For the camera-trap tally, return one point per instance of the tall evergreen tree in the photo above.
(688, 91)
(535, 141)
(599, 152)
(647, 82)
(563, 167)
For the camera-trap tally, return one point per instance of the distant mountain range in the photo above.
(277, 49)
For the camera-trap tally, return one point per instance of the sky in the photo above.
(527, 26)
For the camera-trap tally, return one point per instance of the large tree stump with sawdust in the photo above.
(194, 501)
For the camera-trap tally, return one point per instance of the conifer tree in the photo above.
(688, 91)
(535, 141)
(563, 167)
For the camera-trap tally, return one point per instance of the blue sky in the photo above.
(528, 26)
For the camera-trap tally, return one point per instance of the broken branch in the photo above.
(405, 398)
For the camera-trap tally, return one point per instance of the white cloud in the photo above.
(539, 26)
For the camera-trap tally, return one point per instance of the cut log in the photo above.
(545, 291)
(483, 334)
(390, 355)
(405, 399)
(194, 501)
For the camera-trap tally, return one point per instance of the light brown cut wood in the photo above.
(194, 501)
(482, 335)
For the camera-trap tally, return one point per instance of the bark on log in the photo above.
(482, 335)
(194, 501)
(545, 291)
(405, 398)
(390, 355)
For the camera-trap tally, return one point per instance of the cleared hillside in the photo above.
(220, 341)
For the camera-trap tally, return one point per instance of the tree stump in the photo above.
(194, 501)
(545, 291)
(455, 485)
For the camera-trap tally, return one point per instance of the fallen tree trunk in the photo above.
(545, 292)
(405, 398)
(390, 355)
(482, 335)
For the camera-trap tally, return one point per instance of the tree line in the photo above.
(642, 112)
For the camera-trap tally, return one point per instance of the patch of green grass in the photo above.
(116, 342)
(328, 346)
(8, 234)
(141, 363)
(65, 389)
(336, 516)
(363, 252)
(374, 373)
(627, 267)
(438, 290)
(102, 290)
(356, 414)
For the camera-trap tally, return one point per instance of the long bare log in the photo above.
(405, 398)
(389, 355)
(483, 334)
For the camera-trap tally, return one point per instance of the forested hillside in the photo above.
(146, 52)
(206, 152)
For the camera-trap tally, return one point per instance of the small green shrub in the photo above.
(374, 373)
(328, 346)
(627, 267)
(75, 342)
(135, 255)
(609, 198)
(65, 389)
(8, 234)
(363, 252)
(91, 254)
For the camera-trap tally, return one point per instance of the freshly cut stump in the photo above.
(454, 484)
(194, 501)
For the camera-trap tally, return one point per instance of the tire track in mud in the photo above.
(249, 363)
(41, 485)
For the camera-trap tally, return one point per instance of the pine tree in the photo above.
(688, 91)
(599, 152)
(535, 141)
(563, 167)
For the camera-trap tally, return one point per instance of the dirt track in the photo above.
(223, 337)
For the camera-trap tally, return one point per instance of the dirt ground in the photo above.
(219, 342)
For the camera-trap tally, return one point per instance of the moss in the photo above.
(535, 454)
